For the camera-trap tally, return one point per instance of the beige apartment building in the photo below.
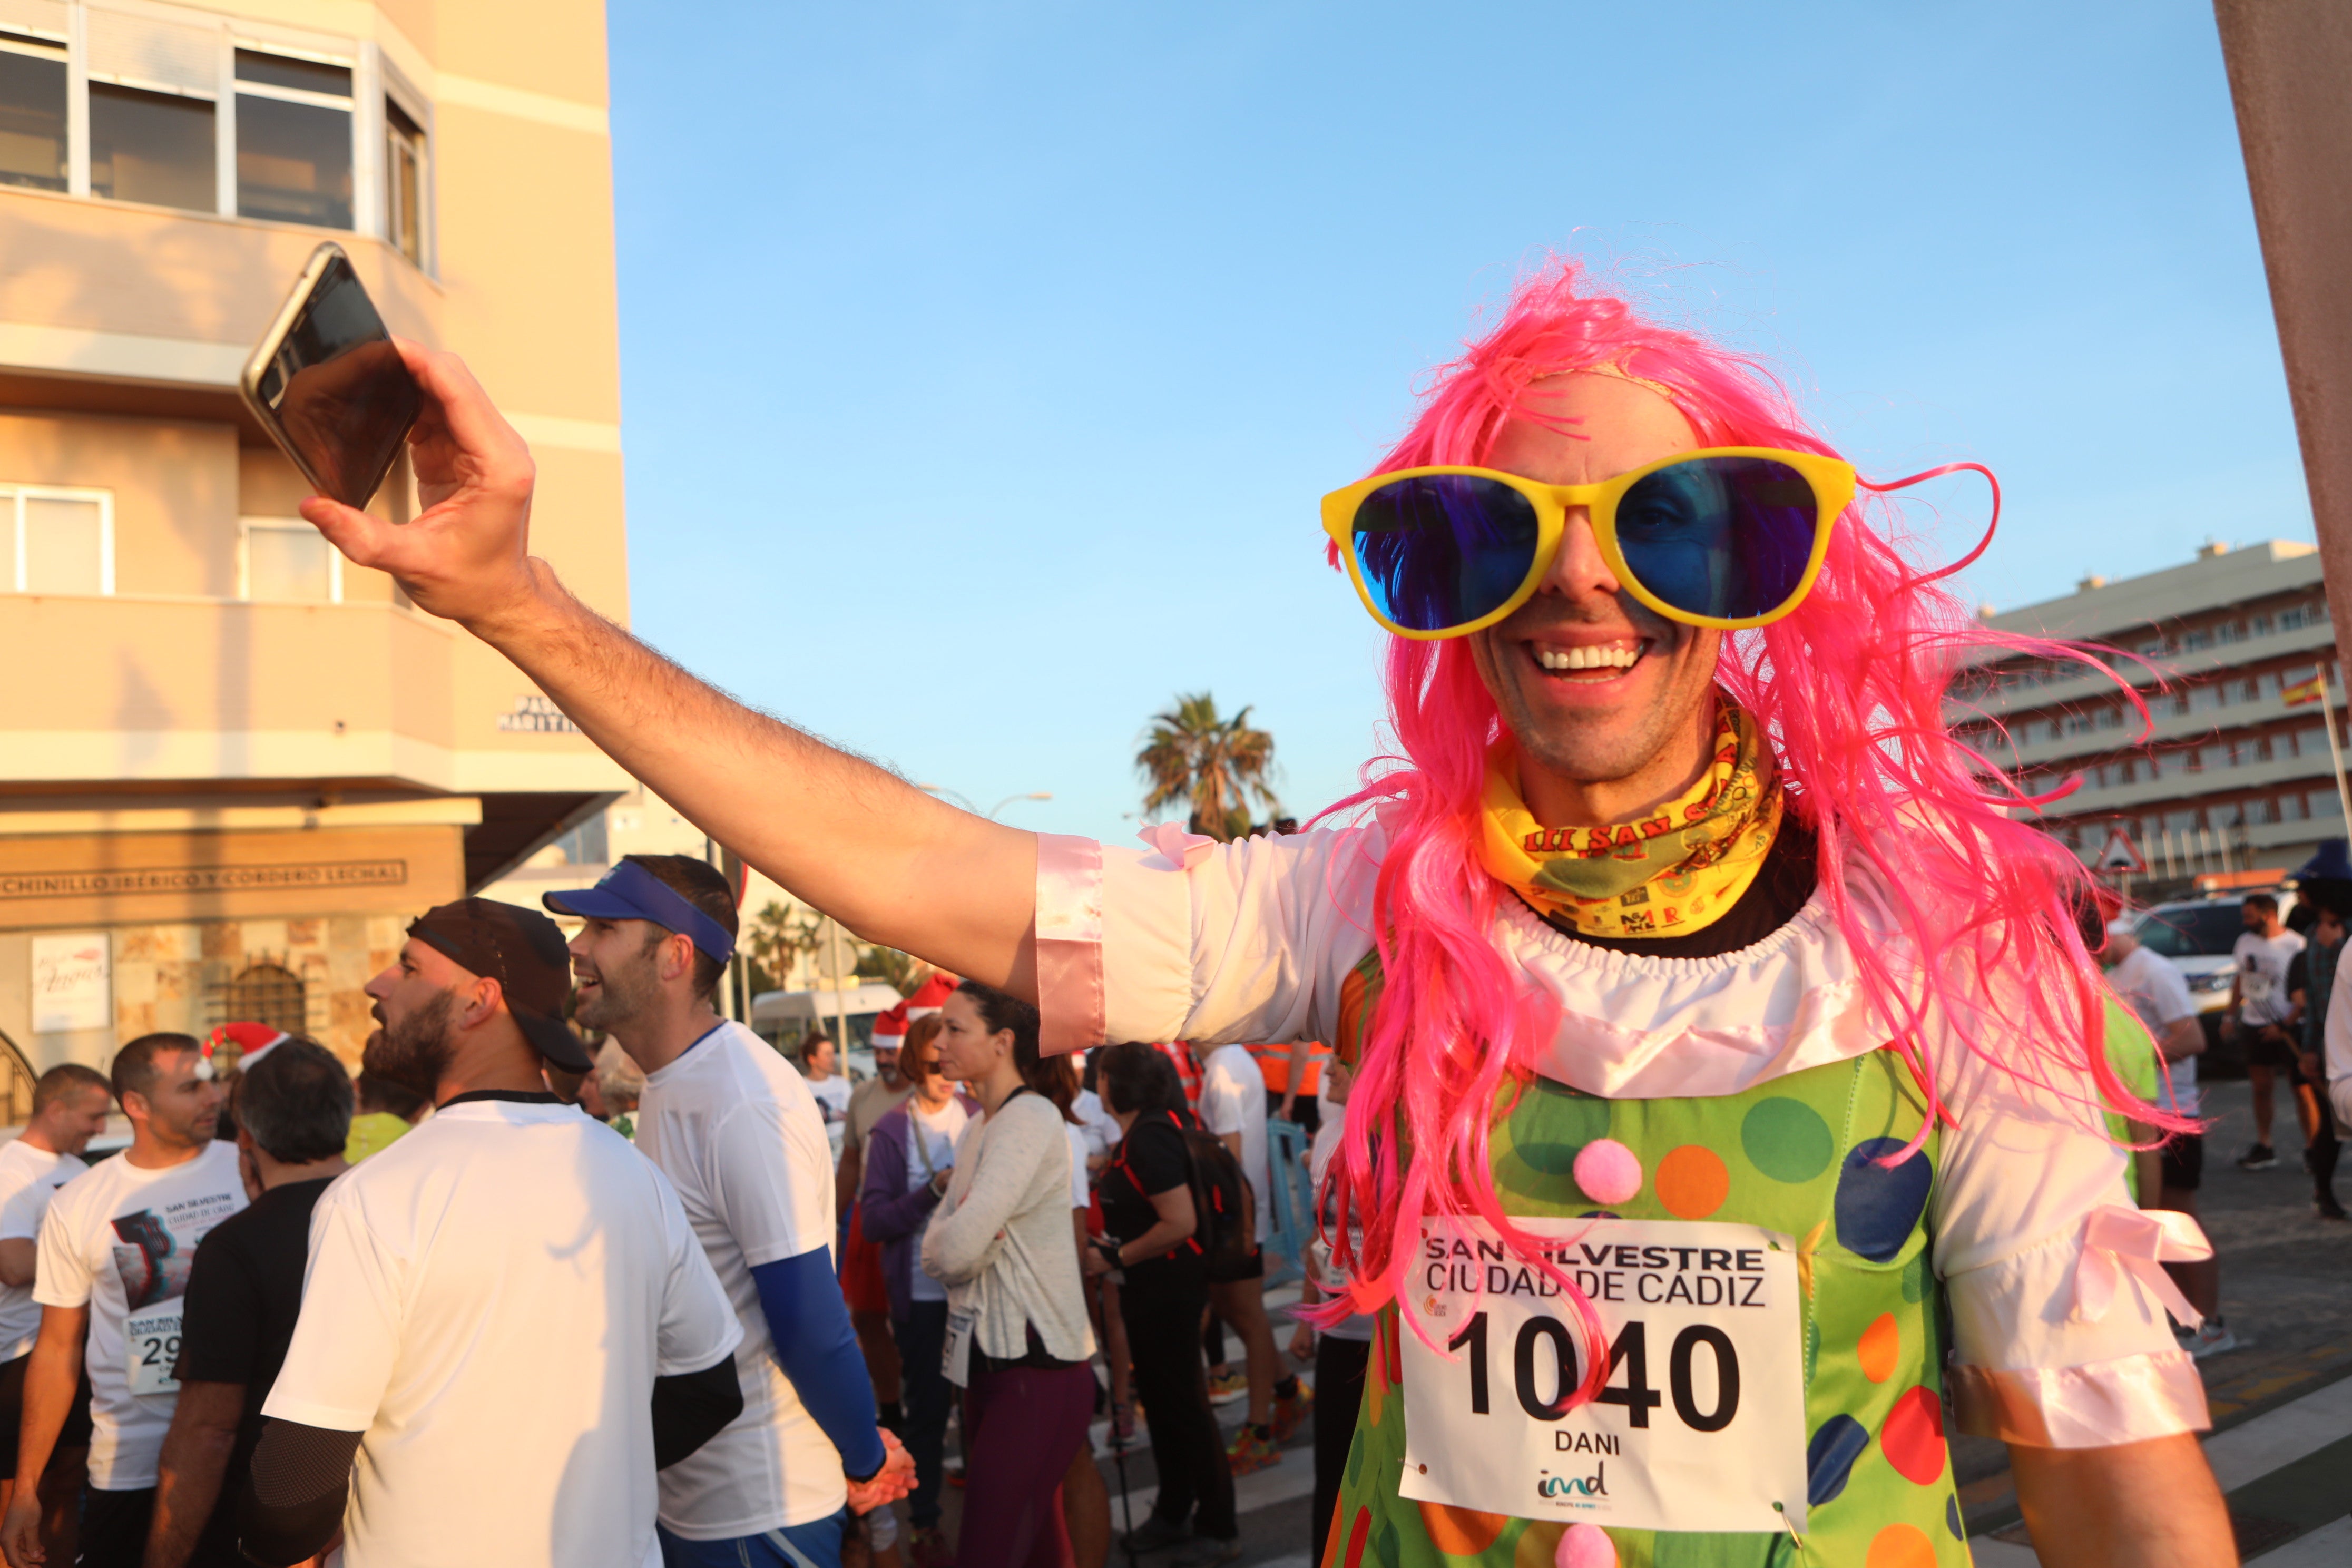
(2230, 777)
(231, 766)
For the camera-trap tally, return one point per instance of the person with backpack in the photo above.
(1160, 1188)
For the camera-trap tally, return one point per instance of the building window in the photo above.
(152, 87)
(403, 182)
(2296, 810)
(2182, 821)
(2230, 632)
(2262, 748)
(285, 559)
(2202, 638)
(293, 140)
(170, 93)
(268, 994)
(2293, 617)
(151, 147)
(2249, 690)
(2203, 699)
(59, 541)
(2261, 625)
(32, 112)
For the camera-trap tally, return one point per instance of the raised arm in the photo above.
(891, 862)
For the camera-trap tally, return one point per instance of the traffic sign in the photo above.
(2121, 854)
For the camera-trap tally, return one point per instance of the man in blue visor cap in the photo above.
(737, 1132)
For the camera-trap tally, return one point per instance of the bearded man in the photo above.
(1720, 1038)
(506, 1317)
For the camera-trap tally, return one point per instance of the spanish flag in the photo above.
(2303, 691)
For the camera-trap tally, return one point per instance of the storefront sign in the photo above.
(122, 882)
(535, 714)
(72, 983)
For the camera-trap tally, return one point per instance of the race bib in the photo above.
(151, 1337)
(1701, 1422)
(955, 1356)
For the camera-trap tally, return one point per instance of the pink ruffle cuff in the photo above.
(1070, 1006)
(2128, 1400)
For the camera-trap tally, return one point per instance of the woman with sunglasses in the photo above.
(1683, 914)
(911, 1154)
(1018, 1341)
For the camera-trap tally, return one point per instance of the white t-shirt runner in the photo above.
(1232, 1100)
(734, 1125)
(29, 1178)
(930, 1148)
(2152, 987)
(2262, 963)
(489, 1300)
(120, 1239)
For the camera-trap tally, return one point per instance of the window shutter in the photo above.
(45, 18)
(168, 56)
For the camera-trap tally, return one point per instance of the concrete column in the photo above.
(2290, 64)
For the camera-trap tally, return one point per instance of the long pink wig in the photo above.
(1850, 691)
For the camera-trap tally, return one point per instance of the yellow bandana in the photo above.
(1674, 871)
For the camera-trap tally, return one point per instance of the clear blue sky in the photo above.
(982, 363)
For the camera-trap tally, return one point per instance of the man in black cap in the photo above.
(505, 1310)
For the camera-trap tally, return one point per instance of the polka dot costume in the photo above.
(1802, 1155)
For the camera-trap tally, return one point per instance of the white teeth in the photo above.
(1610, 657)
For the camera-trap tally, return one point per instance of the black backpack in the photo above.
(1225, 1209)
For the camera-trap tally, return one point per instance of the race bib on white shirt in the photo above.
(152, 1347)
(1701, 1424)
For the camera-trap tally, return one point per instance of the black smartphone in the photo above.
(327, 384)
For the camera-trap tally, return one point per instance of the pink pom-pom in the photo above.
(1586, 1545)
(1609, 1174)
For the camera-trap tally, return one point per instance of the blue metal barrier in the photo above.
(1293, 1202)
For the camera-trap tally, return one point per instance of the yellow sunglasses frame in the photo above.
(1831, 478)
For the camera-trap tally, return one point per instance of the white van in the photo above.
(784, 1019)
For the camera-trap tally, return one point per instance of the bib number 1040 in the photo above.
(1697, 1419)
(1543, 1358)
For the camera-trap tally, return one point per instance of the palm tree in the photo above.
(1217, 765)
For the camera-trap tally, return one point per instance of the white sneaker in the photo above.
(2211, 1339)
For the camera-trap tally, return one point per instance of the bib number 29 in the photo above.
(1544, 1372)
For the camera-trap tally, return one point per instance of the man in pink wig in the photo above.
(1729, 1070)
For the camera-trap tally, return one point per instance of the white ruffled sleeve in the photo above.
(2061, 1336)
(1195, 939)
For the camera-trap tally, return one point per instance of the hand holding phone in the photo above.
(465, 557)
(327, 383)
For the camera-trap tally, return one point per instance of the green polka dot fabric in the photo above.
(1800, 1156)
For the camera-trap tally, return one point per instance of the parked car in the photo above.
(2197, 934)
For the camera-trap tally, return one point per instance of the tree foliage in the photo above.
(1217, 765)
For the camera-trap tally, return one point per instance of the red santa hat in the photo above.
(890, 1028)
(253, 1041)
(932, 996)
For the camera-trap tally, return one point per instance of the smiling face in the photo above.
(617, 971)
(1598, 689)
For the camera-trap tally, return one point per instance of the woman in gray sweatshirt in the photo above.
(1018, 1338)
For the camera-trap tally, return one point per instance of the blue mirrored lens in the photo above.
(1726, 537)
(1444, 549)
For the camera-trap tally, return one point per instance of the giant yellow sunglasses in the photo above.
(1726, 536)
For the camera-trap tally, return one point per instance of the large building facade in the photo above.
(233, 767)
(2228, 776)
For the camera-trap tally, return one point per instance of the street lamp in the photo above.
(965, 801)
